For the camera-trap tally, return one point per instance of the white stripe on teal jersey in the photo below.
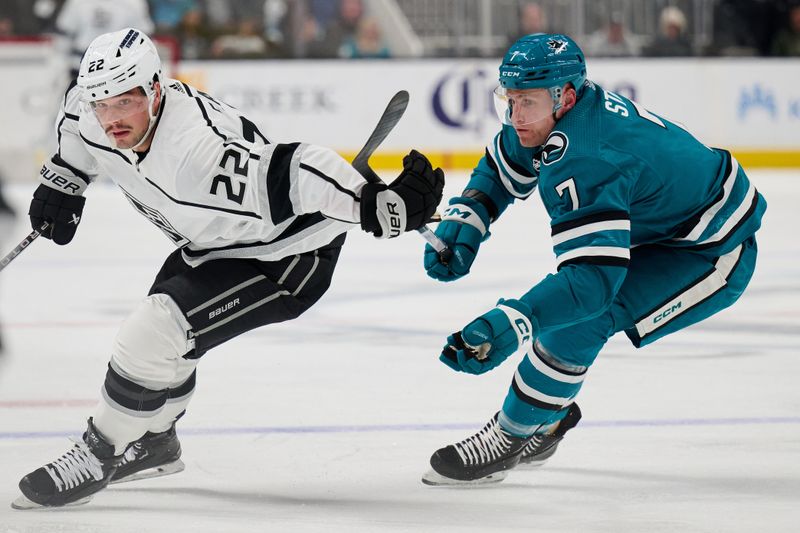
(508, 176)
(624, 225)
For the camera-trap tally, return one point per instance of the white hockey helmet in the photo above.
(117, 62)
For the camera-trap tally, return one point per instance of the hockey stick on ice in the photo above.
(391, 116)
(22, 245)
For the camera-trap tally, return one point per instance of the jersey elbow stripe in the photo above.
(595, 251)
(594, 227)
(602, 216)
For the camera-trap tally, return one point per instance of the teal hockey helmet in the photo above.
(543, 61)
(540, 61)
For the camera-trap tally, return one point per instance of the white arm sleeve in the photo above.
(328, 184)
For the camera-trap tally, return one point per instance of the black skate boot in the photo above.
(541, 447)
(154, 455)
(73, 478)
(485, 457)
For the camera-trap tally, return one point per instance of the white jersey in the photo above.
(80, 21)
(211, 181)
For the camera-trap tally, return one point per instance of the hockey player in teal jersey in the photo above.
(652, 230)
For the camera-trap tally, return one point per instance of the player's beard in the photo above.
(123, 136)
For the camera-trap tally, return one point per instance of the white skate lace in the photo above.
(489, 443)
(130, 454)
(73, 467)
(533, 445)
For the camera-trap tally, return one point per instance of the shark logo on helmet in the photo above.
(557, 45)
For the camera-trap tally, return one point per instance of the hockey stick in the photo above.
(22, 245)
(389, 119)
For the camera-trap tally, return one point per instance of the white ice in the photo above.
(326, 423)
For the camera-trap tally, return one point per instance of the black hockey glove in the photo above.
(62, 211)
(407, 203)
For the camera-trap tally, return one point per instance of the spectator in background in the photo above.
(611, 41)
(195, 35)
(787, 40)
(744, 27)
(247, 43)
(168, 14)
(671, 40)
(341, 29)
(367, 43)
(532, 19)
(20, 17)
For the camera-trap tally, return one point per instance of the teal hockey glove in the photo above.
(488, 340)
(464, 225)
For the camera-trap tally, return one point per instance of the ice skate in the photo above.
(485, 457)
(542, 446)
(154, 455)
(73, 478)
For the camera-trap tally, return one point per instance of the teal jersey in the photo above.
(613, 176)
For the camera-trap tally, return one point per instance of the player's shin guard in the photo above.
(541, 390)
(73, 478)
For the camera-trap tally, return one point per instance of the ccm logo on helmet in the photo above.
(510, 74)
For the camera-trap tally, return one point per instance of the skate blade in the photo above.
(24, 504)
(434, 479)
(159, 471)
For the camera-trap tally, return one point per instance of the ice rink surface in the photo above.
(326, 423)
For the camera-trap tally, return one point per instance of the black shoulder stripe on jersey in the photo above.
(490, 162)
(58, 160)
(71, 116)
(187, 89)
(742, 221)
(219, 134)
(250, 130)
(279, 182)
(203, 206)
(72, 84)
(338, 186)
(106, 149)
(601, 216)
(600, 260)
(513, 164)
(299, 224)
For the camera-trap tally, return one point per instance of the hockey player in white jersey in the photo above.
(258, 227)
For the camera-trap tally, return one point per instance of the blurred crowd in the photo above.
(210, 29)
(740, 28)
(215, 29)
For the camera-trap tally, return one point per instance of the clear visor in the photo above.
(523, 107)
(118, 108)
